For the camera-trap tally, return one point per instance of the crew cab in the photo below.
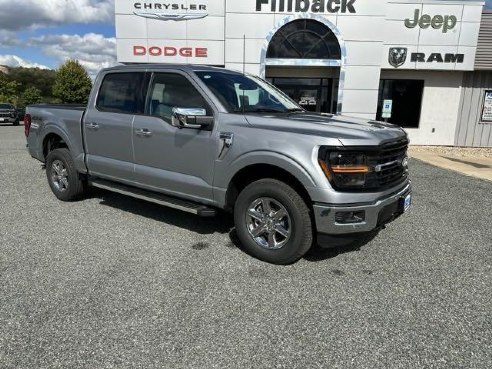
(202, 139)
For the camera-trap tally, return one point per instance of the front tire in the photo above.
(16, 123)
(273, 222)
(63, 178)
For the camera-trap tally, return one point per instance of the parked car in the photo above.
(200, 139)
(8, 114)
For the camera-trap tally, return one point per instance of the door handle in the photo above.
(92, 125)
(143, 132)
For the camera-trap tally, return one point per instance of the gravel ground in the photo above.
(464, 152)
(111, 282)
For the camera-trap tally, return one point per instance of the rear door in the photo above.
(108, 125)
(177, 161)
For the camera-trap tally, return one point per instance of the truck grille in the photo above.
(388, 163)
(4, 115)
(365, 168)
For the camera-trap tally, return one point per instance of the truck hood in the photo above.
(350, 131)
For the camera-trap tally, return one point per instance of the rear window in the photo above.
(121, 93)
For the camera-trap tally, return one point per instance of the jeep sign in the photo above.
(306, 6)
(425, 21)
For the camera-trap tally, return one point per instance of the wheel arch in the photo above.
(54, 139)
(253, 172)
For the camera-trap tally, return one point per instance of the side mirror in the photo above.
(191, 118)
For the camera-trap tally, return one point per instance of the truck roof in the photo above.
(184, 67)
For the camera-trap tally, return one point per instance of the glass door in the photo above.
(313, 94)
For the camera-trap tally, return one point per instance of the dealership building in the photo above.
(425, 65)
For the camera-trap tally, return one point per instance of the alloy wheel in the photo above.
(59, 175)
(268, 223)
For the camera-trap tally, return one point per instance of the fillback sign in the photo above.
(306, 6)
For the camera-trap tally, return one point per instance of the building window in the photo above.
(405, 96)
(304, 39)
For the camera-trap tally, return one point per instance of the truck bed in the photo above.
(63, 120)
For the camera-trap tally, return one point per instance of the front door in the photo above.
(312, 94)
(176, 161)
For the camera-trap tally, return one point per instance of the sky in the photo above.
(44, 33)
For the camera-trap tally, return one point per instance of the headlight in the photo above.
(345, 170)
(13, 114)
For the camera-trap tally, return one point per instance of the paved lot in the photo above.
(111, 282)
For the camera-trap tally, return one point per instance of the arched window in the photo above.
(304, 39)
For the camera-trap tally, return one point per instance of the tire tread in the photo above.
(76, 186)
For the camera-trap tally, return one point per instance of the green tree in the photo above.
(8, 90)
(42, 79)
(31, 95)
(72, 83)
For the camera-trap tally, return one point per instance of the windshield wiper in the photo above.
(265, 110)
(296, 110)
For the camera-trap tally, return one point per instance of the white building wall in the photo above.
(440, 105)
(362, 33)
(462, 38)
(367, 37)
(364, 37)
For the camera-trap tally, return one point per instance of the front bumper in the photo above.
(8, 120)
(383, 211)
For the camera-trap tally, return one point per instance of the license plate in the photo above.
(407, 202)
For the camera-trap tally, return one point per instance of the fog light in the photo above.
(350, 217)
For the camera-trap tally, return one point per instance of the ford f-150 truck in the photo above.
(201, 139)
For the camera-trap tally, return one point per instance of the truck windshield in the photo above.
(244, 93)
(6, 106)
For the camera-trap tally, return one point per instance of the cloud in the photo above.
(18, 15)
(8, 39)
(93, 51)
(14, 61)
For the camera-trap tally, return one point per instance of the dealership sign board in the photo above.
(414, 34)
(306, 6)
(398, 56)
(175, 31)
(440, 22)
(487, 107)
(170, 11)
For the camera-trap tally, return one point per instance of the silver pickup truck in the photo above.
(201, 139)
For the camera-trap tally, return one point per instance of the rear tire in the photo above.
(273, 222)
(63, 178)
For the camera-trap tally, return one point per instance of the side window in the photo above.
(170, 91)
(121, 93)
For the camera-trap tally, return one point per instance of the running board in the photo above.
(157, 198)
